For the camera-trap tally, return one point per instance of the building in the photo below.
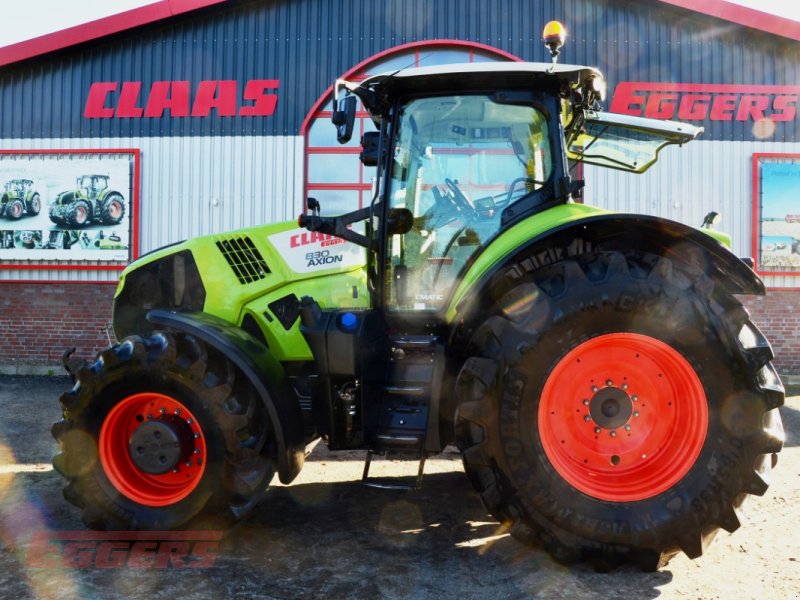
(210, 115)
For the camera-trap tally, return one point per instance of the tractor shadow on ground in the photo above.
(436, 542)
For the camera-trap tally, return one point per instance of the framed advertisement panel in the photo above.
(776, 214)
(69, 209)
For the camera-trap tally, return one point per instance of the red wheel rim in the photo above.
(623, 417)
(115, 452)
(115, 209)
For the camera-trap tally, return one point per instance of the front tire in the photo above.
(618, 408)
(78, 214)
(15, 209)
(162, 432)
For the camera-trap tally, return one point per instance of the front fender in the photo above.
(569, 230)
(263, 371)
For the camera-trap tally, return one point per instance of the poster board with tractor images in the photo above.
(776, 214)
(68, 209)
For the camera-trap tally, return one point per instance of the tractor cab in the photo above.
(20, 187)
(466, 151)
(93, 184)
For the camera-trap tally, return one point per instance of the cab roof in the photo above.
(493, 75)
(377, 91)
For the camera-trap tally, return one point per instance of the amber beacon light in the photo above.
(554, 35)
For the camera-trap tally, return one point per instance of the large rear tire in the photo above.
(162, 432)
(618, 408)
(34, 205)
(112, 210)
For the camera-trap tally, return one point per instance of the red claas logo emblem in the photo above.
(701, 102)
(107, 99)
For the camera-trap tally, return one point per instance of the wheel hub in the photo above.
(622, 417)
(152, 449)
(610, 408)
(158, 446)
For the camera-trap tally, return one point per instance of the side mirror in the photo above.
(312, 204)
(345, 118)
(369, 148)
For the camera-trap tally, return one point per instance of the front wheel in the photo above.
(159, 432)
(15, 209)
(618, 408)
(78, 214)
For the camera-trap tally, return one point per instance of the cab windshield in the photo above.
(458, 161)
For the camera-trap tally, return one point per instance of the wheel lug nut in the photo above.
(197, 450)
(587, 418)
(594, 388)
(163, 411)
(634, 398)
(197, 436)
(609, 383)
(177, 411)
(597, 430)
(613, 434)
(627, 427)
(624, 386)
(175, 470)
(188, 464)
(188, 421)
(636, 413)
(585, 402)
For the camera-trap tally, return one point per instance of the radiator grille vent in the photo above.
(244, 258)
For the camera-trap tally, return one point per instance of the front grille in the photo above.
(244, 258)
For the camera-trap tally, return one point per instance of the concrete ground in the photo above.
(327, 536)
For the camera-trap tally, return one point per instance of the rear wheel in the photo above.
(113, 210)
(34, 205)
(618, 408)
(161, 432)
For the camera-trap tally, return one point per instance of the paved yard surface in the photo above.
(326, 536)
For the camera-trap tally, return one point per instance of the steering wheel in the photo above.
(443, 209)
(459, 197)
(514, 185)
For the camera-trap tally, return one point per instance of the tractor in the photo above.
(91, 201)
(19, 198)
(610, 396)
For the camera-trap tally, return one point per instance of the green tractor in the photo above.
(611, 398)
(91, 201)
(19, 198)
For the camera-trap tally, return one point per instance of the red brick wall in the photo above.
(778, 315)
(39, 321)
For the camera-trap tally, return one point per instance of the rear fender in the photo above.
(606, 231)
(263, 371)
